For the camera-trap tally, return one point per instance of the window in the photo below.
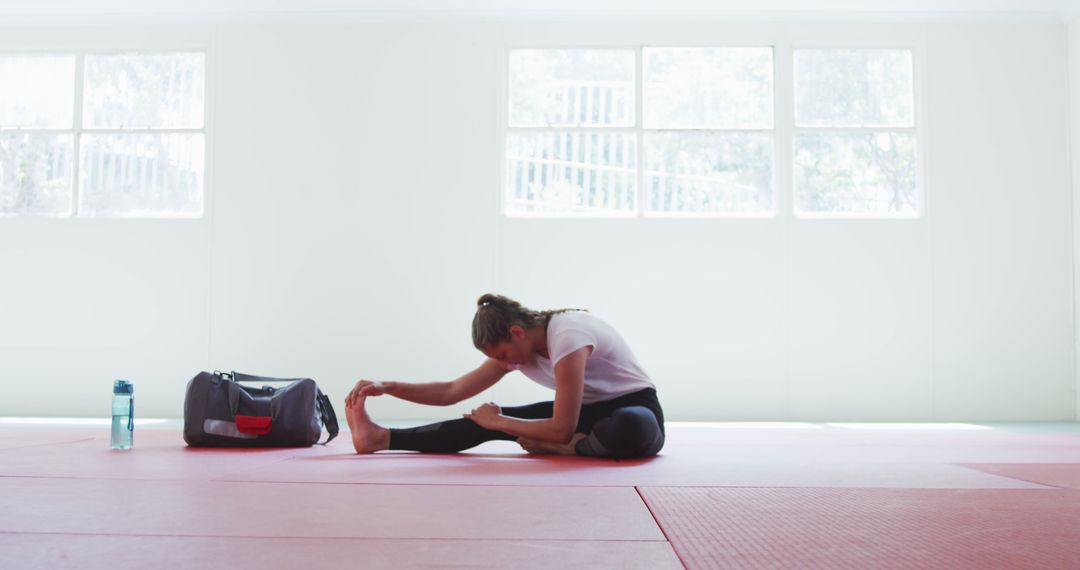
(709, 139)
(571, 146)
(691, 131)
(855, 143)
(576, 144)
(37, 99)
(102, 135)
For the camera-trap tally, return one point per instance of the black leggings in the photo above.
(631, 425)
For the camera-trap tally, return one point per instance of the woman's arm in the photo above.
(471, 384)
(434, 393)
(569, 390)
(427, 393)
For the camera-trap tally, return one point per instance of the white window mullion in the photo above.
(853, 130)
(783, 143)
(146, 131)
(77, 152)
(708, 130)
(593, 130)
(639, 122)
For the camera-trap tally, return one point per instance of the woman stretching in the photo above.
(605, 405)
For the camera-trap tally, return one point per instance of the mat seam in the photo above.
(1046, 486)
(660, 526)
(368, 538)
(1015, 478)
(271, 482)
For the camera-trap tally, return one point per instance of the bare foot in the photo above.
(367, 436)
(533, 446)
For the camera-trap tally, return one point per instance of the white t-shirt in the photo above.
(610, 371)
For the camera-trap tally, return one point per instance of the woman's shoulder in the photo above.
(582, 320)
(573, 316)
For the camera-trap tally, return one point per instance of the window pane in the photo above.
(144, 91)
(571, 172)
(708, 88)
(709, 173)
(37, 91)
(856, 173)
(35, 174)
(135, 175)
(854, 88)
(571, 88)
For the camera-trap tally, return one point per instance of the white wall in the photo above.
(1001, 242)
(353, 222)
(1073, 32)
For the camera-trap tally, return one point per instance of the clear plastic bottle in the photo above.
(123, 414)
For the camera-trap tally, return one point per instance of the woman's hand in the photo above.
(364, 388)
(487, 416)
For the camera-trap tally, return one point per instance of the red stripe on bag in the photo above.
(253, 425)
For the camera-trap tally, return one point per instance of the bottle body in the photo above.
(123, 415)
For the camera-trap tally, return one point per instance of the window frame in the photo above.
(917, 128)
(505, 129)
(77, 129)
(784, 130)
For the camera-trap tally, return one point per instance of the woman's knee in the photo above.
(637, 423)
(626, 433)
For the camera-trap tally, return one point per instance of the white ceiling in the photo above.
(547, 8)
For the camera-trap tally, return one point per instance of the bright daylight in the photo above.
(679, 284)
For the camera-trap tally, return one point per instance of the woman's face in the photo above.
(516, 350)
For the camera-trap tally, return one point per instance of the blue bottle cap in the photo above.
(123, 387)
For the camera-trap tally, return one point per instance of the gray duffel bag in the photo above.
(219, 411)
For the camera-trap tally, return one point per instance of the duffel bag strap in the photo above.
(327, 415)
(241, 377)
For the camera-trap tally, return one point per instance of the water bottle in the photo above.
(123, 414)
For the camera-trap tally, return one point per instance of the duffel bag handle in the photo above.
(241, 377)
(234, 388)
